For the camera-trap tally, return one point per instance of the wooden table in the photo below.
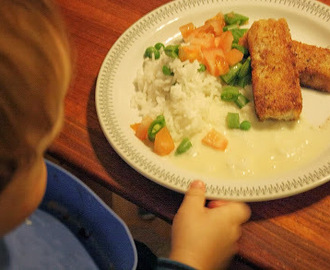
(291, 233)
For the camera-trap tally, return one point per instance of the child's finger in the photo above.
(216, 203)
(241, 212)
(236, 212)
(195, 196)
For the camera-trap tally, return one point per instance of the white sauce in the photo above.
(267, 149)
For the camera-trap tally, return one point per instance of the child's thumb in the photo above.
(195, 196)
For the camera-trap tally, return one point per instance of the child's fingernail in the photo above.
(198, 184)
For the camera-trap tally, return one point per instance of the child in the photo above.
(35, 72)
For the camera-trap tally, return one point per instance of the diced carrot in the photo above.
(164, 143)
(225, 41)
(233, 56)
(214, 60)
(142, 129)
(209, 55)
(135, 126)
(217, 41)
(216, 140)
(199, 32)
(186, 30)
(203, 40)
(190, 53)
(206, 28)
(216, 25)
(219, 17)
(210, 45)
(217, 22)
(222, 66)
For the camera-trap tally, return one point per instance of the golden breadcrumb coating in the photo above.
(313, 64)
(275, 79)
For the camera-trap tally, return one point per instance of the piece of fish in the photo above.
(313, 64)
(275, 79)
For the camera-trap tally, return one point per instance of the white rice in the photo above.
(184, 99)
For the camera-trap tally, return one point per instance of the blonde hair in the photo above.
(35, 71)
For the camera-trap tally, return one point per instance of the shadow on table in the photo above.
(269, 209)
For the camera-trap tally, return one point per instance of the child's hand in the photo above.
(205, 237)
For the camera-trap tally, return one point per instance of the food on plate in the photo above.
(181, 82)
(275, 79)
(155, 127)
(156, 133)
(245, 125)
(184, 98)
(233, 122)
(232, 94)
(215, 139)
(185, 82)
(207, 117)
(184, 146)
(234, 19)
(141, 129)
(212, 43)
(163, 144)
(313, 64)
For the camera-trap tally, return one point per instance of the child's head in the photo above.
(35, 70)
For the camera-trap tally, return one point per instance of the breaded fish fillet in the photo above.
(275, 79)
(313, 64)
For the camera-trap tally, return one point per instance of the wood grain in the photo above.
(290, 233)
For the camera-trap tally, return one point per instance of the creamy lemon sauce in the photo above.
(267, 149)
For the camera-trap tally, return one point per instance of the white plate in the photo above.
(309, 22)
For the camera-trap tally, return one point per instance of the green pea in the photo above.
(151, 51)
(167, 71)
(172, 51)
(159, 45)
(245, 125)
